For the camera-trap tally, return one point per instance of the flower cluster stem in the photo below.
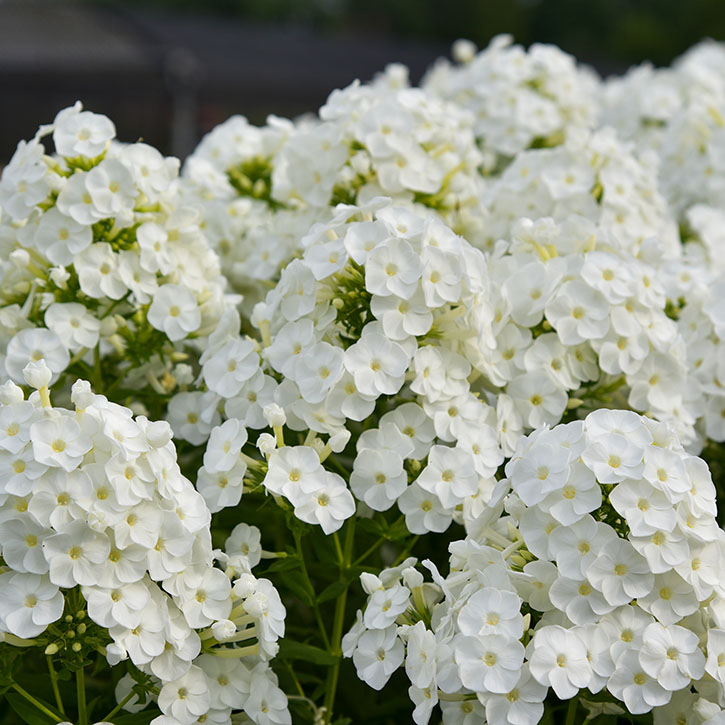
(81, 692)
(571, 711)
(338, 623)
(311, 590)
(54, 684)
(47, 711)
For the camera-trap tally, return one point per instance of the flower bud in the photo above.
(20, 258)
(223, 629)
(11, 393)
(37, 374)
(59, 276)
(266, 443)
(317, 445)
(115, 653)
(184, 374)
(158, 433)
(339, 440)
(245, 586)
(463, 51)
(370, 583)
(412, 578)
(274, 415)
(109, 326)
(81, 394)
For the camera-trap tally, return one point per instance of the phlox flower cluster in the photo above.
(519, 97)
(388, 304)
(262, 188)
(370, 316)
(700, 291)
(94, 499)
(576, 316)
(596, 567)
(96, 251)
(496, 300)
(677, 113)
(592, 176)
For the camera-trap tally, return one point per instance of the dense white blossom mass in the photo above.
(491, 305)
(596, 565)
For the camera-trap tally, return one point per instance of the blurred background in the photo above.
(167, 71)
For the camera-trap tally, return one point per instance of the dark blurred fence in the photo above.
(169, 77)
(169, 70)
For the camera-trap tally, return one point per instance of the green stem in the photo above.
(571, 711)
(126, 699)
(311, 590)
(97, 375)
(54, 684)
(118, 380)
(78, 356)
(81, 692)
(377, 544)
(338, 624)
(37, 704)
(369, 551)
(338, 548)
(406, 551)
(336, 464)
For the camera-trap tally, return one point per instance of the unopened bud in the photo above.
(59, 276)
(223, 629)
(77, 647)
(20, 258)
(339, 440)
(109, 326)
(370, 583)
(274, 415)
(11, 393)
(51, 649)
(158, 433)
(412, 578)
(266, 443)
(464, 51)
(37, 374)
(317, 445)
(81, 394)
(415, 465)
(245, 586)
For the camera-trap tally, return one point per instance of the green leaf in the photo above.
(291, 650)
(325, 552)
(295, 582)
(399, 530)
(138, 718)
(283, 564)
(371, 526)
(332, 592)
(27, 712)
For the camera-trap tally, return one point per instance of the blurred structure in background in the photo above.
(169, 70)
(169, 77)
